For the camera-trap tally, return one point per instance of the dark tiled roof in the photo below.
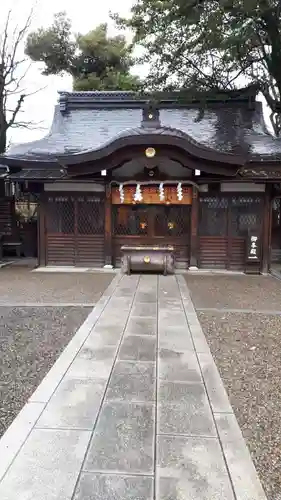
(37, 175)
(89, 120)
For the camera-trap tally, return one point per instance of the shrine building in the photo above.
(121, 169)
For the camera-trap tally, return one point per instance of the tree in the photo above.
(95, 61)
(13, 70)
(211, 45)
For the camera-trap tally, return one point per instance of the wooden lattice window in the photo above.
(172, 220)
(60, 215)
(90, 215)
(276, 213)
(130, 220)
(213, 216)
(246, 215)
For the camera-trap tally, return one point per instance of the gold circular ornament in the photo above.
(146, 259)
(150, 152)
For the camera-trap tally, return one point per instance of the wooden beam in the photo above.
(108, 227)
(194, 228)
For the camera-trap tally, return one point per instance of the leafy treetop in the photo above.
(211, 45)
(95, 60)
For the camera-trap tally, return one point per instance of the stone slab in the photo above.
(123, 440)
(168, 318)
(114, 487)
(144, 309)
(173, 337)
(184, 409)
(15, 436)
(199, 339)
(146, 297)
(104, 336)
(48, 385)
(216, 392)
(93, 363)
(178, 365)
(75, 404)
(113, 317)
(141, 326)
(123, 303)
(243, 474)
(191, 469)
(133, 382)
(138, 348)
(47, 466)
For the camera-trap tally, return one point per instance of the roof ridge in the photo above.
(71, 99)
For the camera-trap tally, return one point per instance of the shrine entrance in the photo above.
(152, 225)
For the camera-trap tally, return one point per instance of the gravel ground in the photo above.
(235, 292)
(20, 285)
(247, 350)
(31, 339)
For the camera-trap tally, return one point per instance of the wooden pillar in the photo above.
(108, 227)
(41, 229)
(194, 228)
(266, 230)
(2, 188)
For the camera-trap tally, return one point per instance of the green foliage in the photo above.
(95, 61)
(211, 45)
(53, 46)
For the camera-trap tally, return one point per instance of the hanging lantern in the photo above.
(138, 193)
(161, 192)
(179, 191)
(121, 192)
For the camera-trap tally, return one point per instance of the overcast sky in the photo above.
(85, 15)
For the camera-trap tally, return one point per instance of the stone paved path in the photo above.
(139, 411)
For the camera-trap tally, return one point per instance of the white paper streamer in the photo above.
(121, 191)
(179, 191)
(161, 192)
(138, 193)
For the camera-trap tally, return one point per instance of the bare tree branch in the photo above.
(13, 71)
(16, 110)
(10, 58)
(29, 125)
(4, 40)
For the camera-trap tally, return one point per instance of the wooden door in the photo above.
(224, 222)
(74, 230)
